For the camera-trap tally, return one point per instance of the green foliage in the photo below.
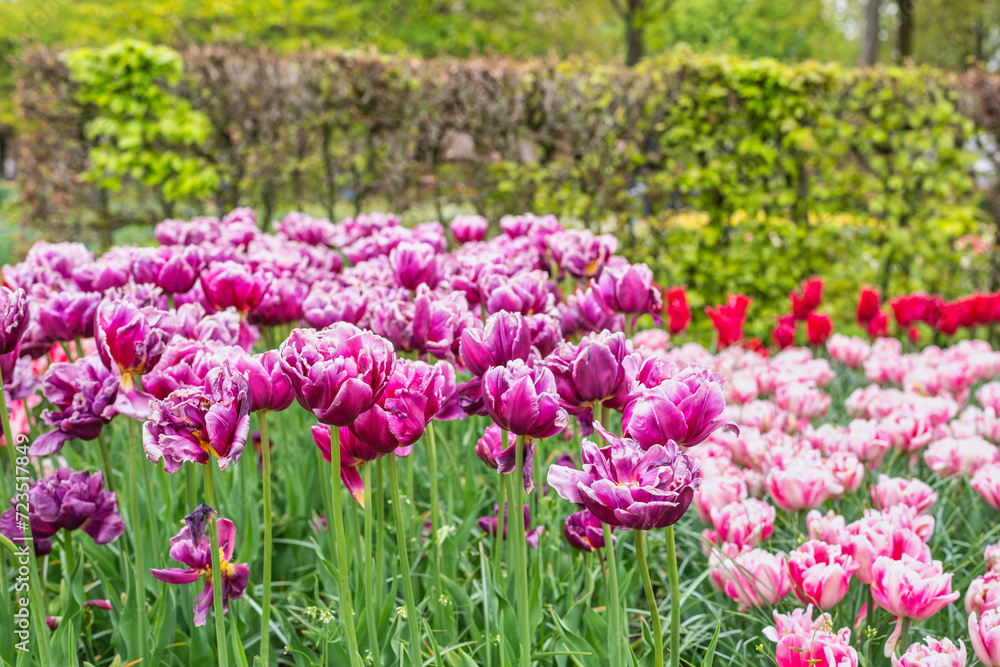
(141, 130)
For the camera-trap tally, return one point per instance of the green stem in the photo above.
(519, 545)
(191, 485)
(213, 533)
(37, 610)
(647, 585)
(435, 521)
(380, 522)
(106, 459)
(265, 622)
(614, 603)
(139, 591)
(404, 563)
(343, 565)
(675, 600)
(373, 638)
(498, 542)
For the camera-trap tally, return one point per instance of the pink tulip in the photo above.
(873, 540)
(797, 622)
(986, 481)
(821, 573)
(718, 491)
(911, 589)
(847, 470)
(849, 350)
(984, 633)
(745, 524)
(951, 457)
(756, 578)
(817, 649)
(891, 491)
(802, 485)
(932, 653)
(830, 527)
(983, 594)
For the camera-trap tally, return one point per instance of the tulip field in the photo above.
(361, 443)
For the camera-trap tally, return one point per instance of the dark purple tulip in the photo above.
(337, 373)
(174, 269)
(503, 459)
(491, 524)
(585, 312)
(279, 394)
(195, 424)
(414, 264)
(439, 322)
(18, 379)
(581, 254)
(506, 336)
(377, 244)
(589, 372)
(282, 304)
(192, 547)
(307, 229)
(526, 293)
(524, 400)
(232, 285)
(622, 485)
(684, 408)
(353, 454)
(68, 500)
(83, 395)
(13, 318)
(414, 394)
(328, 302)
(68, 315)
(641, 373)
(468, 228)
(628, 289)
(584, 531)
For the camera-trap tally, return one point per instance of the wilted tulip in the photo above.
(192, 547)
(584, 531)
(67, 500)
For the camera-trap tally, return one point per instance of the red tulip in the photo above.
(677, 309)
(818, 328)
(808, 301)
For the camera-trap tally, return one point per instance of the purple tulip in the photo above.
(506, 336)
(546, 334)
(581, 254)
(282, 304)
(469, 228)
(628, 289)
(184, 232)
(232, 285)
(491, 524)
(414, 394)
(61, 258)
(430, 324)
(535, 227)
(307, 229)
(337, 373)
(583, 311)
(328, 302)
(526, 293)
(67, 500)
(279, 394)
(174, 269)
(622, 485)
(584, 531)
(195, 424)
(13, 318)
(684, 408)
(184, 363)
(590, 372)
(239, 227)
(503, 459)
(414, 264)
(641, 373)
(83, 395)
(130, 342)
(113, 269)
(192, 547)
(68, 314)
(524, 400)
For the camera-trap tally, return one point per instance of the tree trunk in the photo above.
(905, 30)
(634, 46)
(870, 43)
